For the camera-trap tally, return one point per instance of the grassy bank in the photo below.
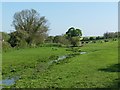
(97, 68)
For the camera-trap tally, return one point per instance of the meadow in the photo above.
(97, 68)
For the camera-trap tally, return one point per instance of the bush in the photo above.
(5, 46)
(114, 39)
(75, 41)
(87, 42)
(94, 41)
(101, 41)
(82, 42)
(106, 40)
(22, 44)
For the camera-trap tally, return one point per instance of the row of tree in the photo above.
(72, 37)
(66, 40)
(18, 39)
(31, 30)
(108, 35)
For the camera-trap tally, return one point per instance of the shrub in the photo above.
(86, 42)
(114, 39)
(22, 44)
(5, 46)
(82, 42)
(106, 40)
(94, 41)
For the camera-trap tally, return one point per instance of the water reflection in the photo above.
(9, 81)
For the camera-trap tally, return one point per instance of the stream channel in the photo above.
(11, 81)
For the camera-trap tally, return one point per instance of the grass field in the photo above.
(97, 68)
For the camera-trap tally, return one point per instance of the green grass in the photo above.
(20, 60)
(95, 69)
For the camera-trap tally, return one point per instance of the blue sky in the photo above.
(93, 18)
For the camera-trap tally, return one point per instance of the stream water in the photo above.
(8, 81)
(11, 81)
(82, 52)
(60, 58)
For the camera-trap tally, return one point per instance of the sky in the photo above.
(0, 16)
(93, 18)
(60, 0)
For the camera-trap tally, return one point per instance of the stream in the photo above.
(60, 58)
(11, 81)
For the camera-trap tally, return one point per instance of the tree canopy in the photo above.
(72, 32)
(74, 36)
(30, 26)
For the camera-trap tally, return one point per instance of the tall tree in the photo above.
(72, 32)
(74, 35)
(31, 25)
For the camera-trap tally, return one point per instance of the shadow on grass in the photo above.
(115, 84)
(112, 68)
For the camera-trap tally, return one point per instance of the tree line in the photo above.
(107, 35)
(31, 30)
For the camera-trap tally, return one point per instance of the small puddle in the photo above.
(62, 57)
(82, 52)
(8, 81)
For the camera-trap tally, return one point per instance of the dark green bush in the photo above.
(106, 40)
(94, 41)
